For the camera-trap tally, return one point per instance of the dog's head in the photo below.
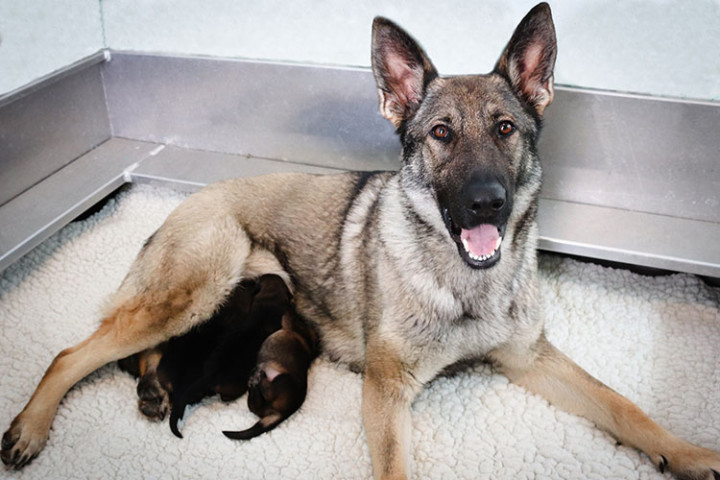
(470, 140)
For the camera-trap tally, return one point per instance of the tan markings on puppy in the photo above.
(149, 360)
(153, 392)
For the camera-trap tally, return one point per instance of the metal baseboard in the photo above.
(31, 217)
(51, 123)
(629, 179)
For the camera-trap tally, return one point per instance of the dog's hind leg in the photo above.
(140, 322)
(129, 329)
(546, 371)
(179, 278)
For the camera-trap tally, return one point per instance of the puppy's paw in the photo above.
(690, 463)
(22, 442)
(154, 401)
(256, 377)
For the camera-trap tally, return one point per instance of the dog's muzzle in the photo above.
(477, 222)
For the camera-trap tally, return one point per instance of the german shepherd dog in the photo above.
(403, 274)
(278, 385)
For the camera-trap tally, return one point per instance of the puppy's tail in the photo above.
(263, 425)
(178, 409)
(193, 394)
(175, 415)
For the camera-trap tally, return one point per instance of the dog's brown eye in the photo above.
(441, 132)
(505, 128)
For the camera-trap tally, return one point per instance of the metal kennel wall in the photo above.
(628, 178)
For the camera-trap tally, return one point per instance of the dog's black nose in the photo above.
(485, 197)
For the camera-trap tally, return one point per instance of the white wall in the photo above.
(659, 47)
(38, 37)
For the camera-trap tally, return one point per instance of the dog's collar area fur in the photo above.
(468, 238)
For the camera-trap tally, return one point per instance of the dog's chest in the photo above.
(441, 326)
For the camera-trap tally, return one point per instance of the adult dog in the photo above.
(404, 274)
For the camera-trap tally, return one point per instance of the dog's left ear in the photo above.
(402, 71)
(529, 58)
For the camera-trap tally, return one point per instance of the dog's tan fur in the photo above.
(373, 264)
(551, 374)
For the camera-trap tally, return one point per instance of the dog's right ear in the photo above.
(402, 71)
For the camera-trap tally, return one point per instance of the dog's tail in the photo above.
(263, 425)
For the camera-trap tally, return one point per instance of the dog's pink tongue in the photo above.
(482, 240)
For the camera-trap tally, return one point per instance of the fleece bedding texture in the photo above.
(656, 340)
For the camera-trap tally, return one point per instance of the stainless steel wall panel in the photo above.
(189, 170)
(43, 131)
(621, 151)
(635, 153)
(315, 115)
(629, 179)
(634, 238)
(657, 241)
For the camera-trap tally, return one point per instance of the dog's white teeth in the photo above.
(481, 258)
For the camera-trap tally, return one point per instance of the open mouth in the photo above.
(479, 245)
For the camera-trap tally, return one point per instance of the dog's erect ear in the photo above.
(529, 58)
(402, 71)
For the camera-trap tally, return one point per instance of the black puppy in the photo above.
(278, 385)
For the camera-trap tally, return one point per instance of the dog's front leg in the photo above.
(388, 391)
(545, 370)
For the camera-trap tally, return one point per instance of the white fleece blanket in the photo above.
(655, 340)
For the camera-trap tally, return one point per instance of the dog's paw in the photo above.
(154, 401)
(22, 443)
(690, 463)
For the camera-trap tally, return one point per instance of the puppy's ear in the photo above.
(402, 71)
(529, 58)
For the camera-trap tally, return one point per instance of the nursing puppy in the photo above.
(403, 274)
(278, 385)
(226, 351)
